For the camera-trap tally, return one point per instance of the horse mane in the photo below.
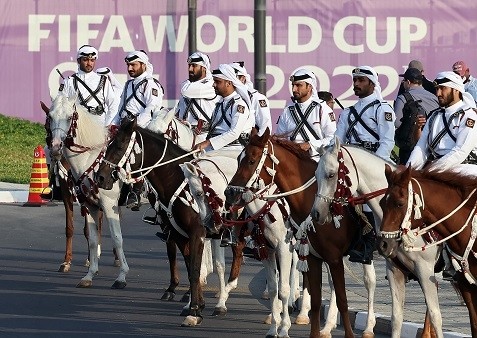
(291, 146)
(461, 182)
(90, 132)
(389, 162)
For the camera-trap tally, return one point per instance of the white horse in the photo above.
(275, 232)
(80, 137)
(366, 174)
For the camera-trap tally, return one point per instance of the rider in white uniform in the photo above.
(260, 104)
(449, 138)
(308, 120)
(142, 95)
(368, 124)
(95, 92)
(232, 120)
(198, 97)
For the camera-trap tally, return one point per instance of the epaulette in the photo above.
(103, 71)
(237, 97)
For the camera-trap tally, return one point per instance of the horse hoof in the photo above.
(118, 285)
(192, 321)
(168, 295)
(268, 320)
(302, 320)
(219, 311)
(271, 336)
(185, 298)
(65, 267)
(368, 334)
(117, 263)
(84, 283)
(265, 295)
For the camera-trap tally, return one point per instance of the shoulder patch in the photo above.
(388, 116)
(470, 123)
(332, 116)
(240, 109)
(154, 92)
(263, 103)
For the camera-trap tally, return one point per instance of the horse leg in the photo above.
(396, 281)
(196, 247)
(469, 294)
(270, 266)
(221, 308)
(332, 317)
(109, 204)
(284, 259)
(305, 303)
(433, 322)
(170, 292)
(369, 277)
(93, 240)
(337, 273)
(314, 275)
(69, 229)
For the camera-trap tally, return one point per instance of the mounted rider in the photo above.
(308, 120)
(232, 121)
(260, 104)
(198, 97)
(368, 124)
(94, 91)
(449, 138)
(142, 95)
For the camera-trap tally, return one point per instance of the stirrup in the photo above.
(153, 219)
(132, 201)
(226, 241)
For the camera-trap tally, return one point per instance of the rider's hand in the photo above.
(305, 146)
(202, 145)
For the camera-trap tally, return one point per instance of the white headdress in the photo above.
(241, 70)
(305, 75)
(141, 56)
(87, 51)
(371, 74)
(201, 59)
(453, 80)
(226, 72)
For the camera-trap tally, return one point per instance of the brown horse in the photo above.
(418, 201)
(291, 168)
(61, 174)
(179, 219)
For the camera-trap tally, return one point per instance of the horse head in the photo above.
(394, 205)
(60, 119)
(327, 175)
(248, 170)
(115, 155)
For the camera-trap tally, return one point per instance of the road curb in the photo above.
(19, 196)
(383, 324)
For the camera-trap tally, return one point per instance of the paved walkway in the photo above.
(454, 315)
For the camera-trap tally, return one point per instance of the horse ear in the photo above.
(266, 135)
(45, 108)
(336, 145)
(388, 172)
(406, 175)
(188, 169)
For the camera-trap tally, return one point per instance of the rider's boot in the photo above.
(363, 251)
(448, 272)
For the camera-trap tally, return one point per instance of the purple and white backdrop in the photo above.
(330, 37)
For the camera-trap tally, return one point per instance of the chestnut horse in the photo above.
(419, 201)
(158, 159)
(356, 171)
(275, 160)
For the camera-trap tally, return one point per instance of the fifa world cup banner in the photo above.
(40, 38)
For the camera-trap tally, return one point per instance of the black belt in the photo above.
(242, 139)
(371, 146)
(95, 110)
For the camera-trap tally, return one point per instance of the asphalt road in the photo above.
(38, 301)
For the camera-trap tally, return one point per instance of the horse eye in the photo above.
(331, 175)
(251, 162)
(200, 194)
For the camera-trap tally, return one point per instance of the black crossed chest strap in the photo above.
(358, 119)
(301, 121)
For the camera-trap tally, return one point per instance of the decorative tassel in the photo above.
(417, 207)
(408, 238)
(302, 265)
(336, 220)
(270, 171)
(274, 159)
(137, 148)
